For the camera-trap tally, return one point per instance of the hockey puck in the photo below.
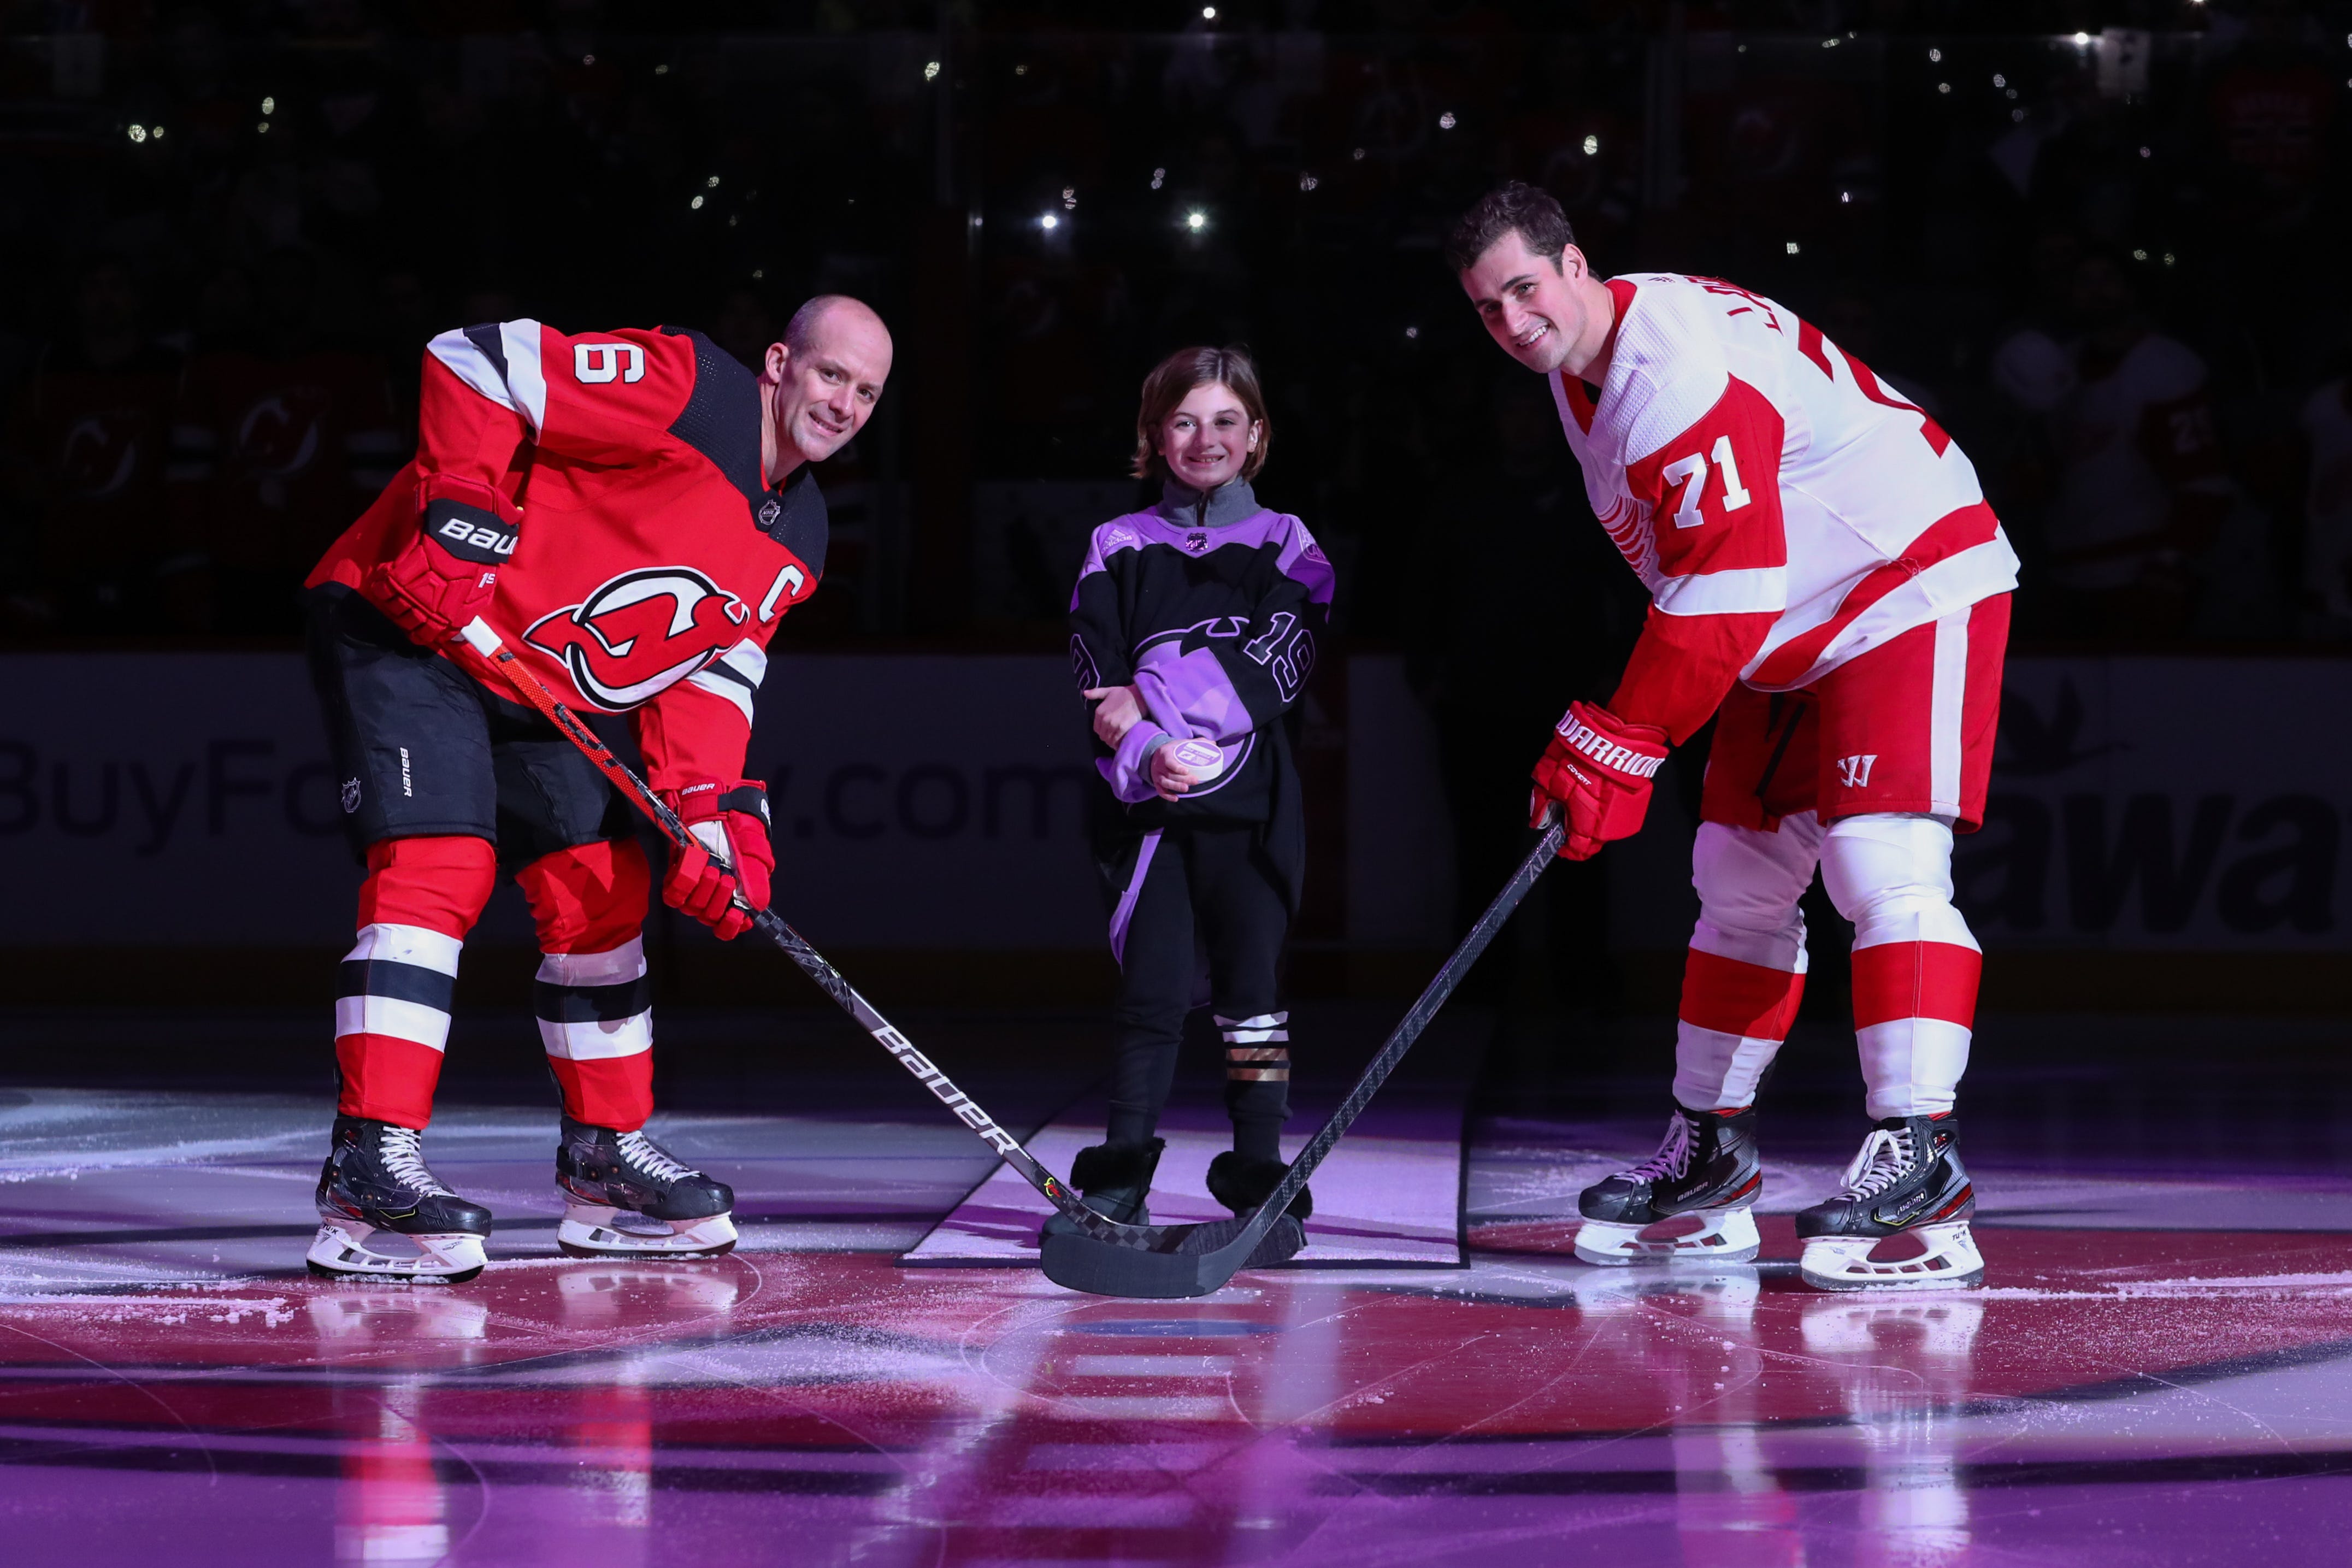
(1202, 758)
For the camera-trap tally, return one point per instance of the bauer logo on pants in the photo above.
(641, 633)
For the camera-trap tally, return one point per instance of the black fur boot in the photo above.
(1114, 1179)
(1242, 1185)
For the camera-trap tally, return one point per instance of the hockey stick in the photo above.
(516, 676)
(1192, 1261)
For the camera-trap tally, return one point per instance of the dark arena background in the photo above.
(2068, 232)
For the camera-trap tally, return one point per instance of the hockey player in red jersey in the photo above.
(634, 513)
(1827, 581)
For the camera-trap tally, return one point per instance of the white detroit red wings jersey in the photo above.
(651, 563)
(1784, 508)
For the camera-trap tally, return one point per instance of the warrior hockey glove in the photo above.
(1599, 768)
(446, 575)
(731, 821)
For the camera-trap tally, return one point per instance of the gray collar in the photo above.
(1185, 506)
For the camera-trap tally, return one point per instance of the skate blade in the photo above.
(596, 1231)
(1843, 1262)
(1721, 1236)
(341, 1251)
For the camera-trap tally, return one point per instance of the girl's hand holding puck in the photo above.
(1178, 765)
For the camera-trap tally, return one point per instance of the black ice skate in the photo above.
(375, 1179)
(1114, 1179)
(1908, 1181)
(1242, 1184)
(1695, 1198)
(625, 1197)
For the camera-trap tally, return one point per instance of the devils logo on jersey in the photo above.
(641, 633)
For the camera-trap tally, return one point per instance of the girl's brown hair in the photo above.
(1165, 388)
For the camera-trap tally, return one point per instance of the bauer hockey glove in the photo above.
(1599, 768)
(731, 821)
(447, 572)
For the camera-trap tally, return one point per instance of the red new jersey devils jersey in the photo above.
(652, 564)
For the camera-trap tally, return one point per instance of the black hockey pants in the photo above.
(1193, 888)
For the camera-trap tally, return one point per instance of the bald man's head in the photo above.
(820, 383)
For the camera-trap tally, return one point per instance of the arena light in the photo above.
(1049, 221)
(1792, 247)
(930, 70)
(1196, 220)
(1591, 146)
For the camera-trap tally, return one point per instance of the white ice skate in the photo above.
(376, 1184)
(1692, 1199)
(625, 1195)
(1905, 1191)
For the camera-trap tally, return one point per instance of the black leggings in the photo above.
(1214, 881)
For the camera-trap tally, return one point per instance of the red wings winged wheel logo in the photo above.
(641, 633)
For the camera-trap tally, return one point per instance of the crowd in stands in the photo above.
(2100, 260)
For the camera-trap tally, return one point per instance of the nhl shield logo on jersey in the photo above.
(640, 633)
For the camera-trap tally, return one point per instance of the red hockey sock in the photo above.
(391, 1010)
(1733, 1017)
(595, 1006)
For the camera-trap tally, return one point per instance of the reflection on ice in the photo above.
(1904, 1367)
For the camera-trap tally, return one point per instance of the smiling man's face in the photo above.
(1532, 304)
(823, 395)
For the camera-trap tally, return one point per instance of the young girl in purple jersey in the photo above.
(1193, 630)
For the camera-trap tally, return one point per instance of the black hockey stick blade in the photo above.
(1194, 1260)
(1187, 1259)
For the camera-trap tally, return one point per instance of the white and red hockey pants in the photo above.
(1914, 963)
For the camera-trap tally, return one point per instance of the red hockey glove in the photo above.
(446, 575)
(1599, 768)
(731, 821)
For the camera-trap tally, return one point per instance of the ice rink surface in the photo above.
(2157, 1371)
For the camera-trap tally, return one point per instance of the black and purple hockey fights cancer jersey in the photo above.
(1210, 607)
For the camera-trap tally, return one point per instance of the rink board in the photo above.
(1389, 1195)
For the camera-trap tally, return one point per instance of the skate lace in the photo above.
(404, 1161)
(1884, 1157)
(651, 1158)
(1673, 1156)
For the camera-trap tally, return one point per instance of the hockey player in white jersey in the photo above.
(1826, 580)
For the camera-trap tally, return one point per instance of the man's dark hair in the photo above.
(1517, 206)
